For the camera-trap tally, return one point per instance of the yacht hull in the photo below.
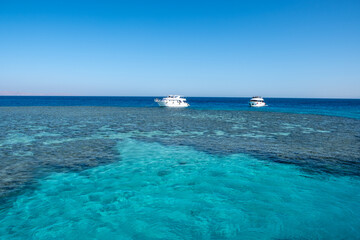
(257, 104)
(174, 105)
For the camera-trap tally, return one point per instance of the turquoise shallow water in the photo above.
(176, 192)
(150, 173)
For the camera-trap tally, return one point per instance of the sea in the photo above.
(124, 168)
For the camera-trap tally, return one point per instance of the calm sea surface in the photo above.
(123, 168)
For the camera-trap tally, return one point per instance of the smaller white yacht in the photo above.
(257, 102)
(172, 101)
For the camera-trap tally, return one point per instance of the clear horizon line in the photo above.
(45, 95)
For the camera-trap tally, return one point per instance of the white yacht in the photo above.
(257, 102)
(172, 101)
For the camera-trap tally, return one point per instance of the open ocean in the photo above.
(123, 168)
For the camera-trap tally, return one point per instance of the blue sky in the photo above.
(196, 48)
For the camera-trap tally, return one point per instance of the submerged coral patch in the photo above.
(151, 194)
(36, 141)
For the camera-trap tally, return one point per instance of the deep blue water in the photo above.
(123, 168)
(336, 107)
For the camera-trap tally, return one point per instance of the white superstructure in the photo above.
(257, 102)
(172, 101)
